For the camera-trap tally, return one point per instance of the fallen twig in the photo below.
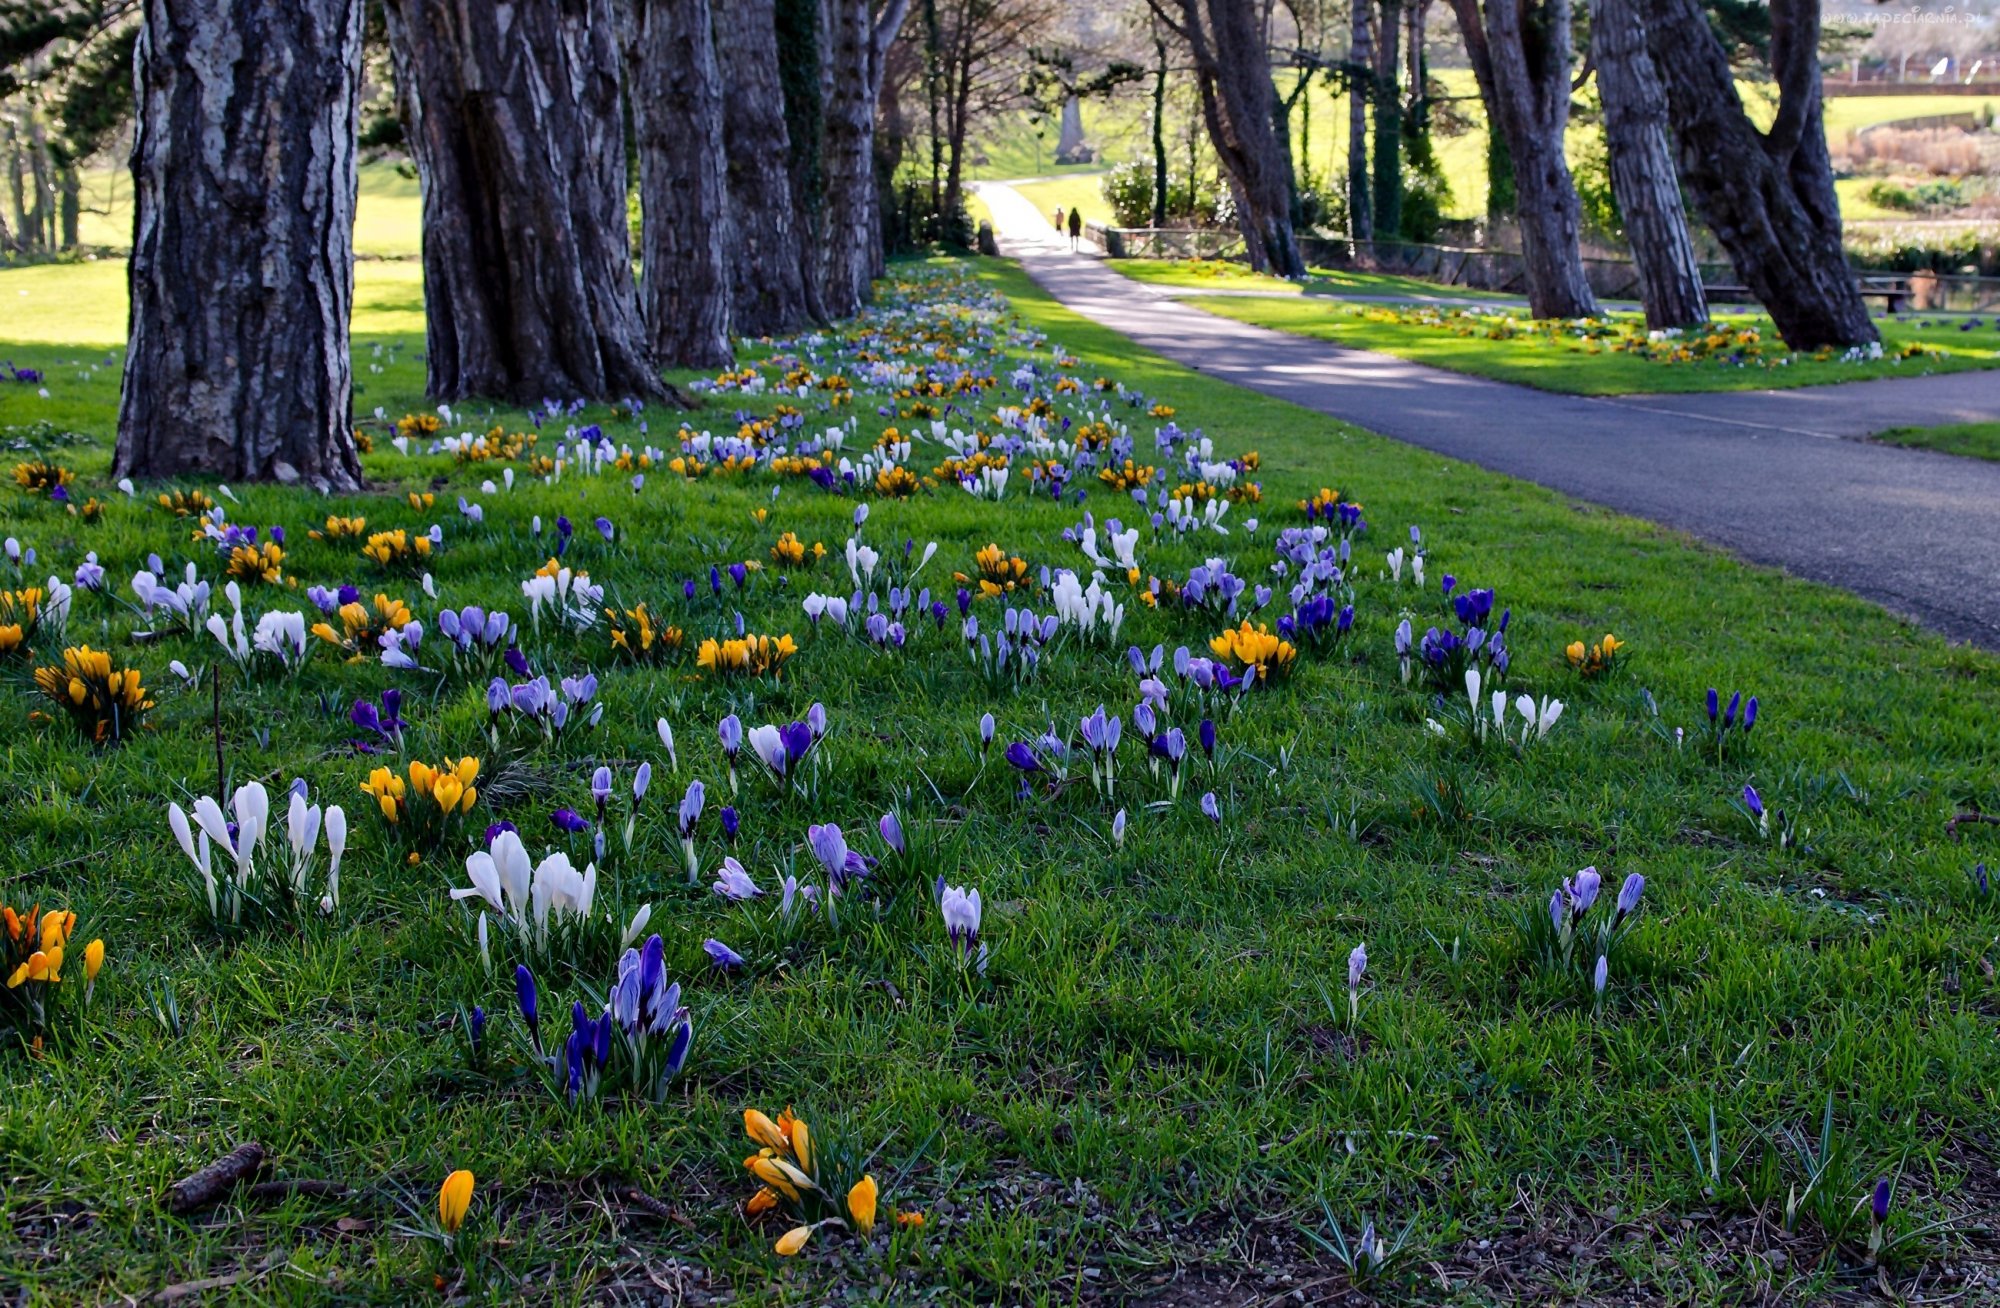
(211, 1183)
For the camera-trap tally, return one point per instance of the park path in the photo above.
(1773, 476)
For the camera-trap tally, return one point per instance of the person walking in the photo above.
(1075, 227)
(1059, 220)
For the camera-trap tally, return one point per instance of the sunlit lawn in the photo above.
(1975, 440)
(1157, 1078)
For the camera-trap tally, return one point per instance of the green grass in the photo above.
(1219, 274)
(387, 214)
(1574, 367)
(1974, 440)
(1084, 191)
(1154, 1082)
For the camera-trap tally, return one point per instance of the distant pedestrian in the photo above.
(1059, 220)
(1075, 227)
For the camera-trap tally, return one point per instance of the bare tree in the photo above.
(1767, 195)
(242, 270)
(1520, 52)
(1238, 105)
(1642, 168)
(514, 116)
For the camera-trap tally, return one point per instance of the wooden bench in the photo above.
(1893, 292)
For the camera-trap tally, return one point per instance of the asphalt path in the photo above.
(1778, 477)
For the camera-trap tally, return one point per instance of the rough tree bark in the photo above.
(1389, 123)
(856, 43)
(242, 270)
(1360, 82)
(799, 26)
(1642, 168)
(1232, 73)
(1520, 52)
(769, 295)
(683, 183)
(514, 118)
(1767, 196)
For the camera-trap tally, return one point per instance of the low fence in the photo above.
(1503, 271)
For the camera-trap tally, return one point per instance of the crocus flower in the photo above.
(1752, 802)
(960, 910)
(730, 823)
(1118, 829)
(986, 728)
(454, 1198)
(1357, 967)
(724, 958)
(891, 828)
(524, 995)
(1212, 807)
(1628, 894)
(690, 815)
(1601, 975)
(732, 882)
(1022, 756)
(730, 732)
(569, 821)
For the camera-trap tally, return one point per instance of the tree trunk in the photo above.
(69, 193)
(848, 159)
(1767, 196)
(517, 127)
(683, 183)
(1642, 168)
(1360, 83)
(769, 295)
(799, 24)
(1521, 54)
(1232, 74)
(242, 268)
(1389, 124)
(1159, 132)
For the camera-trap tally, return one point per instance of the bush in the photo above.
(1889, 195)
(1426, 196)
(1128, 188)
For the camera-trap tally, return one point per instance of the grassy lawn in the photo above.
(1221, 274)
(1083, 191)
(1557, 359)
(1975, 440)
(1156, 1079)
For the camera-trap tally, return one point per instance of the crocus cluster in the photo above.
(792, 1175)
(32, 955)
(226, 849)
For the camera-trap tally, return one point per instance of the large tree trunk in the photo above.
(1767, 196)
(800, 76)
(1360, 83)
(516, 124)
(242, 269)
(847, 159)
(1524, 45)
(683, 186)
(769, 296)
(1642, 168)
(1232, 73)
(1389, 124)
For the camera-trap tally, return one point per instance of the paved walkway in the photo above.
(1766, 474)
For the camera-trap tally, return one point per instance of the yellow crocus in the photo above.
(794, 1240)
(454, 1197)
(763, 1130)
(802, 1145)
(861, 1204)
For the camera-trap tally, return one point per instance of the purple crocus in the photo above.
(724, 958)
(730, 823)
(525, 996)
(690, 816)
(606, 530)
(1022, 756)
(1628, 894)
(1211, 807)
(891, 828)
(570, 821)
